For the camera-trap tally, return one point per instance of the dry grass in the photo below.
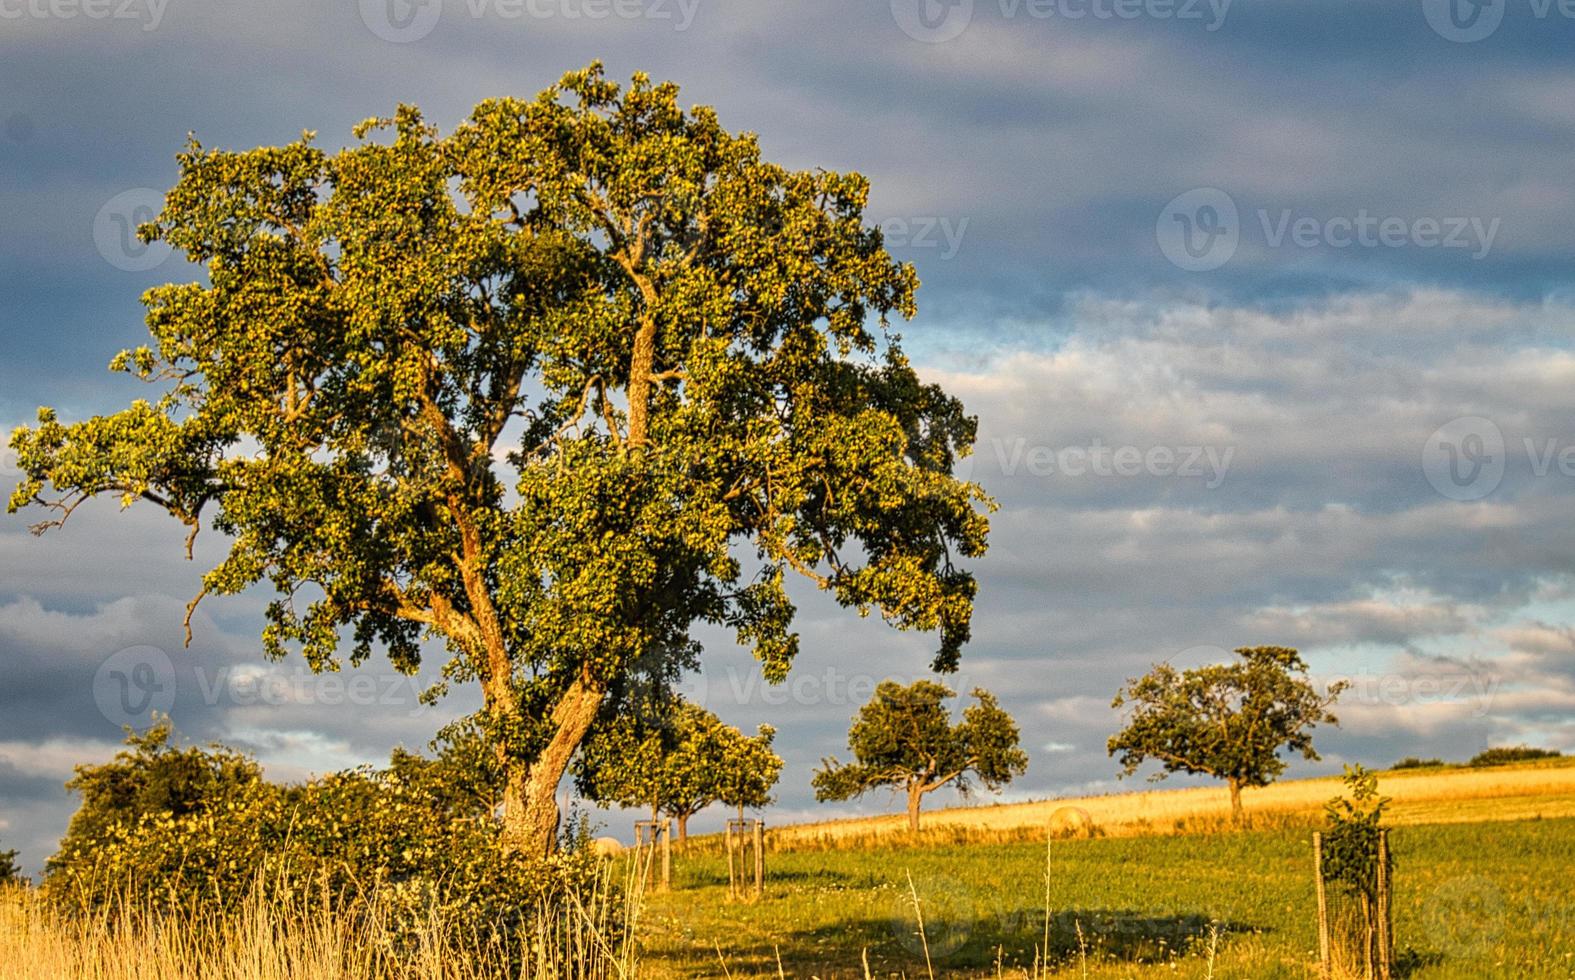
(1529, 791)
(588, 938)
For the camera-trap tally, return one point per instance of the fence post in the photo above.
(732, 873)
(760, 859)
(1323, 907)
(1386, 939)
(667, 855)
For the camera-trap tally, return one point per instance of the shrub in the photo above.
(1412, 762)
(1507, 754)
(199, 829)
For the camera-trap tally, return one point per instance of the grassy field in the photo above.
(1481, 890)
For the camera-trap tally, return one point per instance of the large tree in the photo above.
(904, 738)
(1229, 721)
(553, 388)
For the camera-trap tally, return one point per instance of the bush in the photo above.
(1507, 754)
(165, 828)
(1412, 762)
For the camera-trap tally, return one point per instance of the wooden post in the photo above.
(732, 872)
(760, 859)
(1323, 908)
(1386, 939)
(660, 836)
(667, 855)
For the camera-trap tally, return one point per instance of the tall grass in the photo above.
(585, 936)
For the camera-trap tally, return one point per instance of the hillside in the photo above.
(1541, 789)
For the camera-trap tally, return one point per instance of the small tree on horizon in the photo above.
(750, 770)
(679, 767)
(1229, 721)
(904, 738)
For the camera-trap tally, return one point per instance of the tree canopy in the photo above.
(1229, 721)
(680, 767)
(552, 389)
(904, 738)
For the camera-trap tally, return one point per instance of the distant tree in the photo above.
(555, 389)
(1229, 721)
(1412, 762)
(1504, 755)
(10, 871)
(904, 739)
(749, 770)
(678, 767)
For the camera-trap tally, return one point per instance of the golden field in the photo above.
(1542, 789)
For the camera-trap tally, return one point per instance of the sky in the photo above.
(1264, 307)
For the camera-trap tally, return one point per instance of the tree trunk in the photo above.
(530, 801)
(683, 827)
(1237, 814)
(915, 796)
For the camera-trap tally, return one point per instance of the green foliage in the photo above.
(904, 737)
(161, 826)
(678, 767)
(1507, 754)
(1350, 844)
(554, 388)
(10, 871)
(1412, 762)
(1229, 721)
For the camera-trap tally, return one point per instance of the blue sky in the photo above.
(1265, 308)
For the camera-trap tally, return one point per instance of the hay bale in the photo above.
(1071, 821)
(607, 847)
